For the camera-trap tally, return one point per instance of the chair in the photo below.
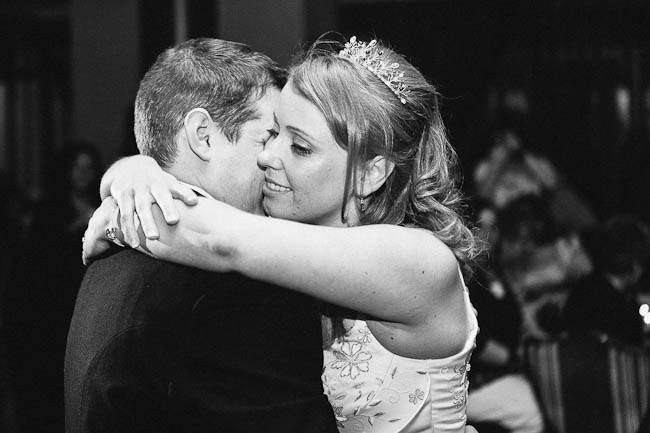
(589, 384)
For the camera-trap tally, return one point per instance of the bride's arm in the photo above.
(389, 272)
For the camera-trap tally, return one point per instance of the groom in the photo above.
(158, 347)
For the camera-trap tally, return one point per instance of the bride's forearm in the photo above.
(400, 276)
(389, 272)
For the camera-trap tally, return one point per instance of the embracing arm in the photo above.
(404, 278)
(391, 273)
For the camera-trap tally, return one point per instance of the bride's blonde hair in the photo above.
(367, 119)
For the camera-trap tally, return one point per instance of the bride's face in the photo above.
(304, 166)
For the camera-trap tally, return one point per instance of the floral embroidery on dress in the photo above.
(417, 395)
(373, 390)
(461, 374)
(351, 360)
(339, 417)
(459, 396)
(366, 335)
(463, 370)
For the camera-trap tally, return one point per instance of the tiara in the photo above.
(369, 56)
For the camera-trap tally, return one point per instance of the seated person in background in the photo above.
(499, 395)
(605, 301)
(539, 260)
(511, 171)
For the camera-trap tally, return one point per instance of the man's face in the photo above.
(236, 178)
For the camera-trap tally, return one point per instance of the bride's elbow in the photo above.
(222, 254)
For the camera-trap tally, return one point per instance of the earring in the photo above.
(362, 204)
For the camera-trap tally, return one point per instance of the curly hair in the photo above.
(367, 119)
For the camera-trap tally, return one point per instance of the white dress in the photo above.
(373, 390)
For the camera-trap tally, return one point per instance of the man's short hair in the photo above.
(225, 78)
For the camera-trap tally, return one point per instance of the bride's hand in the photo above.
(95, 241)
(136, 182)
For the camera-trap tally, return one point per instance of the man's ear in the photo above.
(198, 130)
(374, 175)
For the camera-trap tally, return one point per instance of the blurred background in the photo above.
(547, 104)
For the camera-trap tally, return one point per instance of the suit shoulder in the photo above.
(133, 265)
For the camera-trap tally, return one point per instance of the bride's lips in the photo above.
(272, 187)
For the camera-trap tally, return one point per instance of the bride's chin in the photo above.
(269, 209)
(274, 210)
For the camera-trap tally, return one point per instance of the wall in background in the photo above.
(275, 28)
(74, 65)
(105, 70)
(115, 43)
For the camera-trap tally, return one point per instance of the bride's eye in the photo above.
(300, 150)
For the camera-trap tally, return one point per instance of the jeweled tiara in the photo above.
(369, 56)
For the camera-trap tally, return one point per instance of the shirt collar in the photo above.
(199, 191)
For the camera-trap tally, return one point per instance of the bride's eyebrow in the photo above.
(296, 130)
(301, 132)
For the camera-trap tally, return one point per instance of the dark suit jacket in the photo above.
(158, 347)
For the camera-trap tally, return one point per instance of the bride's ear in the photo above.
(197, 125)
(374, 175)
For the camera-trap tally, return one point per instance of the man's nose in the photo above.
(269, 156)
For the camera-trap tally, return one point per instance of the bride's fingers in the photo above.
(84, 257)
(93, 244)
(126, 202)
(94, 241)
(164, 198)
(143, 202)
(184, 193)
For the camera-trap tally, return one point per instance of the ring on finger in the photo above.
(111, 234)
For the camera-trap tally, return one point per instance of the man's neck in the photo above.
(197, 189)
(184, 175)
